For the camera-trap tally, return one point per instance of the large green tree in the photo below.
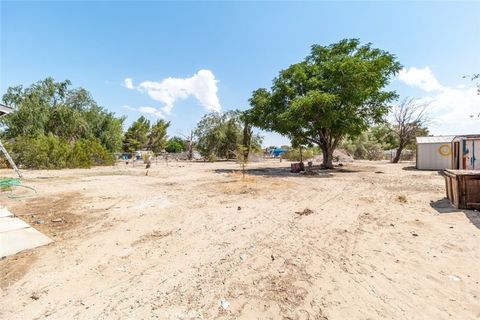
(136, 137)
(56, 126)
(220, 134)
(157, 137)
(337, 90)
(176, 145)
(50, 107)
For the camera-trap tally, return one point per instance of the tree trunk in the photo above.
(190, 147)
(327, 152)
(398, 154)
(247, 138)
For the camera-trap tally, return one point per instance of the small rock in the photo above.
(414, 234)
(35, 296)
(243, 257)
(239, 208)
(57, 220)
(272, 257)
(39, 222)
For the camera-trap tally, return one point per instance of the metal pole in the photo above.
(10, 160)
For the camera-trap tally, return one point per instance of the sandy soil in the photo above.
(194, 241)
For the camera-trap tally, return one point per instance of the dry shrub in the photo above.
(402, 198)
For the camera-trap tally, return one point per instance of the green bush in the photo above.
(364, 147)
(176, 145)
(89, 152)
(52, 152)
(294, 154)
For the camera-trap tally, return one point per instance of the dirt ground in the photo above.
(194, 241)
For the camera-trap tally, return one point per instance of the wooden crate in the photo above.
(463, 188)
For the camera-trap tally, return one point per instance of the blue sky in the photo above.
(242, 45)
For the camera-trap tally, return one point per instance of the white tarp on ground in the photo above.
(16, 235)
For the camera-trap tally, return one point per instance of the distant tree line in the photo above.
(335, 97)
(56, 126)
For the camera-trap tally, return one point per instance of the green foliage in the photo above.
(176, 145)
(141, 136)
(336, 91)
(136, 137)
(420, 131)
(365, 146)
(89, 152)
(157, 137)
(56, 126)
(220, 134)
(371, 144)
(293, 154)
(49, 107)
(384, 135)
(52, 152)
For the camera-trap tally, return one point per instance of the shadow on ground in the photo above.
(444, 206)
(275, 172)
(285, 172)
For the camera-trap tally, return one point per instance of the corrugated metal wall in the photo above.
(433, 156)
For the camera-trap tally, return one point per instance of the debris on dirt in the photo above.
(35, 296)
(39, 222)
(379, 171)
(392, 225)
(239, 208)
(415, 234)
(309, 171)
(454, 277)
(305, 212)
(297, 167)
(224, 303)
(272, 257)
(57, 220)
(243, 257)
(402, 198)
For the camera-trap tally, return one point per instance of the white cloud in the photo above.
(202, 86)
(128, 83)
(450, 108)
(422, 78)
(147, 110)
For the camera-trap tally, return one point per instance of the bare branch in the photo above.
(409, 116)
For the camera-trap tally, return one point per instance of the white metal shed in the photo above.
(434, 153)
